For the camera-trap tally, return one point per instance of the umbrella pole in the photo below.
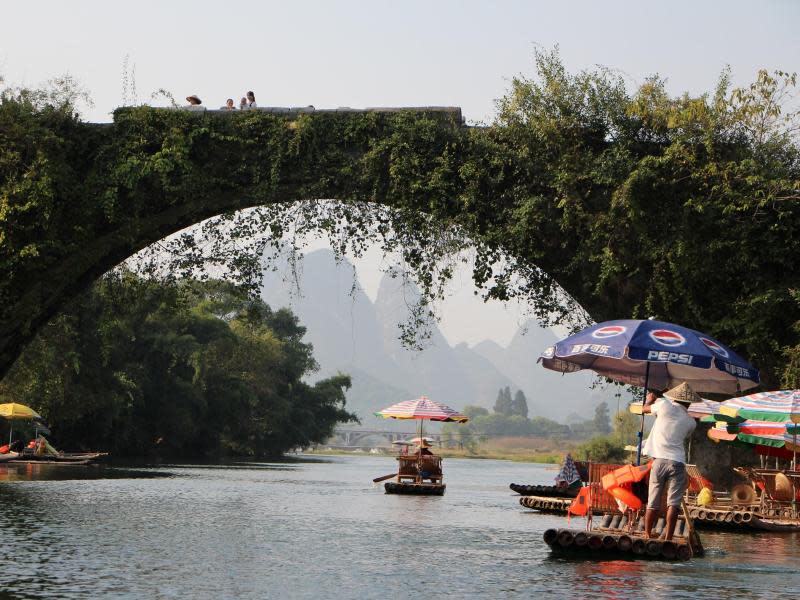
(644, 399)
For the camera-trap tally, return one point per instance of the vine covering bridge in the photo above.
(578, 192)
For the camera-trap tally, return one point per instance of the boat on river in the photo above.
(620, 532)
(569, 481)
(418, 475)
(766, 502)
(8, 456)
(544, 491)
(617, 537)
(63, 458)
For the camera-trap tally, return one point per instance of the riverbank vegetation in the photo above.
(194, 369)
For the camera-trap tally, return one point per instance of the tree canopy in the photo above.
(197, 369)
(581, 196)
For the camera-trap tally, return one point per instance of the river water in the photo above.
(318, 528)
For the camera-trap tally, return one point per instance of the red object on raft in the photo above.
(618, 482)
(580, 506)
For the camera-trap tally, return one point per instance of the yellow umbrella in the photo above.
(13, 410)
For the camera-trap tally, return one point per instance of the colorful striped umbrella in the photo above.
(422, 408)
(779, 406)
(768, 419)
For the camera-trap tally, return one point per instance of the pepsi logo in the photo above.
(609, 331)
(715, 347)
(666, 337)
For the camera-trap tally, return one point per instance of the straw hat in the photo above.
(683, 394)
(743, 494)
(783, 487)
(423, 444)
(193, 99)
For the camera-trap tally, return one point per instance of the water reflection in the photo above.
(62, 472)
(321, 529)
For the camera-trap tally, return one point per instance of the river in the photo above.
(318, 528)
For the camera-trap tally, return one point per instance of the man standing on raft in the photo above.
(665, 444)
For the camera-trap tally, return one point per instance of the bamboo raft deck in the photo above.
(549, 491)
(73, 458)
(415, 489)
(546, 504)
(615, 538)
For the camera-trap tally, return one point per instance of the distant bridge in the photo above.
(354, 438)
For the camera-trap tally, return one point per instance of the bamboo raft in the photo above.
(546, 504)
(549, 491)
(732, 518)
(744, 518)
(415, 489)
(74, 458)
(418, 476)
(615, 538)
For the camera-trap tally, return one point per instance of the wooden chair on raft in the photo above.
(418, 469)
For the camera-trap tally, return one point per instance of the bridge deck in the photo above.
(454, 112)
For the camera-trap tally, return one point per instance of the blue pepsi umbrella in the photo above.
(655, 355)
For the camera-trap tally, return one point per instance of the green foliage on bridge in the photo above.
(139, 368)
(632, 204)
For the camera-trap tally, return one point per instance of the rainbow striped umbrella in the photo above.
(759, 433)
(779, 406)
(422, 408)
(769, 419)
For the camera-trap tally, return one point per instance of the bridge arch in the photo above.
(114, 189)
(578, 207)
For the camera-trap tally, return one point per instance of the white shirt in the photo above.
(673, 425)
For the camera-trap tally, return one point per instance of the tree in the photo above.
(138, 367)
(626, 426)
(502, 405)
(519, 405)
(475, 411)
(602, 449)
(601, 421)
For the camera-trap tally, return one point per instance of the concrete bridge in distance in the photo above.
(355, 438)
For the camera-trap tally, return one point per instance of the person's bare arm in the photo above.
(648, 404)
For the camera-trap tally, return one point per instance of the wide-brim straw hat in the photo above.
(193, 99)
(684, 394)
(423, 444)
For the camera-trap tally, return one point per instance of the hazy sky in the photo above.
(372, 53)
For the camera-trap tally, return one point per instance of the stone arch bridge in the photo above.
(574, 206)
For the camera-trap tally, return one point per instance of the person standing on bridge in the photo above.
(251, 100)
(193, 100)
(665, 444)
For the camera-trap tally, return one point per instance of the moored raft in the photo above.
(418, 489)
(545, 490)
(744, 518)
(67, 458)
(546, 504)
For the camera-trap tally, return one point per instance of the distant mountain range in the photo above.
(353, 335)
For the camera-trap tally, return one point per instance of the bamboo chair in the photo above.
(411, 468)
